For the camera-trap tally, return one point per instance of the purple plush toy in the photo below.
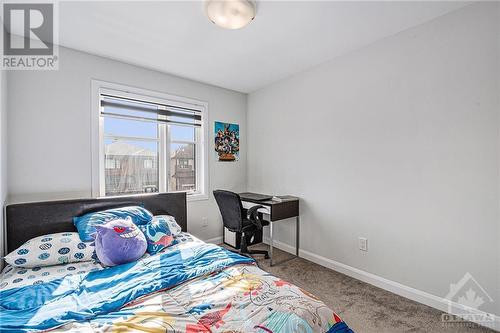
(118, 242)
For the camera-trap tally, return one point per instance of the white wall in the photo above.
(397, 142)
(50, 125)
(3, 155)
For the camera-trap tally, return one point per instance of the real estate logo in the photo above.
(465, 300)
(29, 36)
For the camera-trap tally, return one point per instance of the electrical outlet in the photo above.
(204, 222)
(363, 244)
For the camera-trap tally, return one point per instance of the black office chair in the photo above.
(237, 219)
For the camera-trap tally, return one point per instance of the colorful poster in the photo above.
(227, 141)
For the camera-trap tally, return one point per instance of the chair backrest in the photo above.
(230, 208)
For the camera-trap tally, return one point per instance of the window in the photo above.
(182, 159)
(148, 144)
(112, 163)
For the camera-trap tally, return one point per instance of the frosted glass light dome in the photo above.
(230, 14)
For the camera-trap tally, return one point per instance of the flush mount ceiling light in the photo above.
(230, 14)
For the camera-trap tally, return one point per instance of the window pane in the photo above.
(124, 127)
(182, 167)
(131, 167)
(181, 133)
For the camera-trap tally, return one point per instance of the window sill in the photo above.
(197, 197)
(189, 197)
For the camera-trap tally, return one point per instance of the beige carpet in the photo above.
(363, 307)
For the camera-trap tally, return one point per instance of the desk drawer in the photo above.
(264, 210)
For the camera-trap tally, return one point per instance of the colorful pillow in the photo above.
(53, 249)
(86, 223)
(118, 242)
(175, 229)
(157, 234)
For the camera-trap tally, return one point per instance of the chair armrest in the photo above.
(253, 216)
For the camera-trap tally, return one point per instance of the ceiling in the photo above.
(286, 37)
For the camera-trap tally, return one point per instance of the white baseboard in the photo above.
(416, 295)
(215, 240)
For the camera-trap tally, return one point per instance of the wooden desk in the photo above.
(276, 211)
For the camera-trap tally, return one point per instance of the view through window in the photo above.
(182, 158)
(149, 148)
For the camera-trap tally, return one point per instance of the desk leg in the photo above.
(297, 236)
(271, 243)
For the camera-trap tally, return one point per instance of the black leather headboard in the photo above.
(28, 220)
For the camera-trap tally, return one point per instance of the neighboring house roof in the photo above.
(185, 151)
(118, 148)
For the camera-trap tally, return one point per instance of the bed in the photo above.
(191, 286)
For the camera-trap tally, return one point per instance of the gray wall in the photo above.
(50, 123)
(3, 154)
(397, 142)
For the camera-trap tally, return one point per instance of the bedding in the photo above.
(85, 224)
(16, 277)
(189, 287)
(169, 220)
(52, 249)
(158, 235)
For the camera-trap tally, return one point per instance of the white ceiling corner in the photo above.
(286, 37)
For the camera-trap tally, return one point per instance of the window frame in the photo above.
(97, 132)
(195, 142)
